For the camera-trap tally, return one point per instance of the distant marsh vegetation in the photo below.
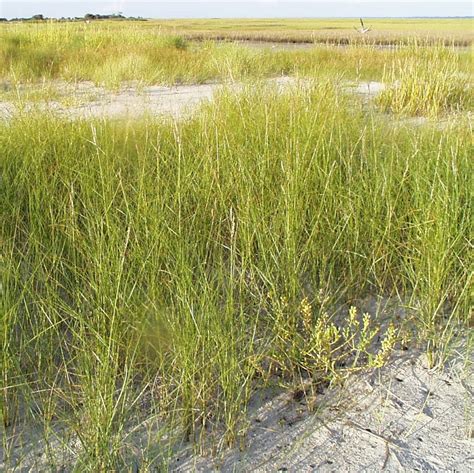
(108, 55)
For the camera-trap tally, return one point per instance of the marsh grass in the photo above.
(340, 31)
(191, 263)
(109, 56)
(428, 85)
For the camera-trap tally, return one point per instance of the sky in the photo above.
(236, 9)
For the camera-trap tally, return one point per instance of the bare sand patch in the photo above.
(130, 101)
(127, 102)
(401, 418)
(84, 100)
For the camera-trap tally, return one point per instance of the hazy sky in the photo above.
(238, 9)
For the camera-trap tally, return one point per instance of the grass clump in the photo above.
(431, 85)
(138, 259)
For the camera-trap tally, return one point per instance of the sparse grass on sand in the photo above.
(170, 269)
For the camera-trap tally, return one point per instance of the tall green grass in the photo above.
(168, 270)
(430, 84)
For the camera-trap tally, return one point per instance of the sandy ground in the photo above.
(128, 102)
(84, 100)
(131, 102)
(89, 101)
(403, 417)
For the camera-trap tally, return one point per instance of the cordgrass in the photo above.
(428, 85)
(407, 26)
(108, 55)
(168, 270)
(388, 31)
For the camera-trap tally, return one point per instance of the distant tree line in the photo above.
(86, 17)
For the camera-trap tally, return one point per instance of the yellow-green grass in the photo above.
(430, 85)
(407, 25)
(384, 31)
(163, 270)
(109, 53)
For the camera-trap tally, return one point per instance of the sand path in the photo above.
(89, 101)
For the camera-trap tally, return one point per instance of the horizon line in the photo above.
(267, 17)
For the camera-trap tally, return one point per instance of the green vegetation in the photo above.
(108, 55)
(155, 274)
(339, 31)
(167, 270)
(429, 85)
(407, 26)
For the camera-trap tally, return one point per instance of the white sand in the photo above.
(129, 102)
(401, 418)
(132, 102)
